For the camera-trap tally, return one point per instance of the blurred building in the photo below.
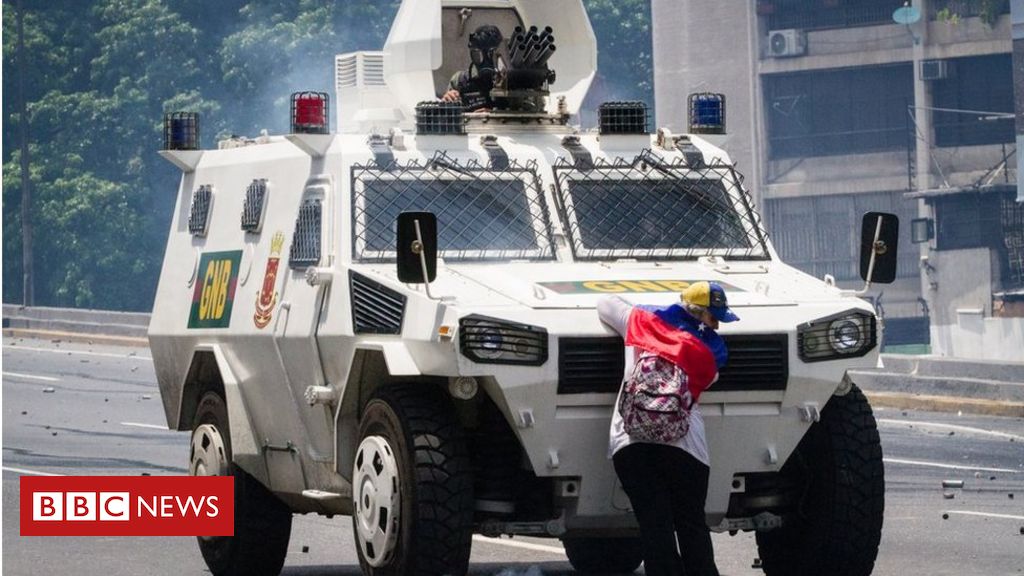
(835, 109)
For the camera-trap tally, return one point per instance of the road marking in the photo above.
(941, 426)
(82, 352)
(141, 425)
(29, 472)
(31, 377)
(523, 545)
(946, 466)
(986, 514)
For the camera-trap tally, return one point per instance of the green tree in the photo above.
(624, 63)
(99, 212)
(101, 74)
(286, 46)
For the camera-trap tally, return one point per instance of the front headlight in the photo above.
(846, 335)
(492, 341)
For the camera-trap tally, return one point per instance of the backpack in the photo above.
(656, 401)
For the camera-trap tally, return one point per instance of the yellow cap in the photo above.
(711, 295)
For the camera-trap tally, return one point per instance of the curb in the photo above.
(75, 337)
(945, 404)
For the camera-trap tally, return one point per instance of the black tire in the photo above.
(604, 555)
(837, 524)
(263, 523)
(435, 482)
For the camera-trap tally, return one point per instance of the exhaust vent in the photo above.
(305, 249)
(199, 213)
(376, 309)
(252, 210)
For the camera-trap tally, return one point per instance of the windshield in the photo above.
(650, 210)
(482, 214)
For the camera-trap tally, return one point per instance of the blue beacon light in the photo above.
(707, 113)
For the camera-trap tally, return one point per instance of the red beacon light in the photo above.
(310, 113)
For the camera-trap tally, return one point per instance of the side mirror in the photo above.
(417, 247)
(879, 239)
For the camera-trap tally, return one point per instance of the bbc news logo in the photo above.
(127, 506)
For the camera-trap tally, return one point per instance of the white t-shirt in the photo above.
(614, 311)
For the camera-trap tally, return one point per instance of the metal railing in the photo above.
(825, 14)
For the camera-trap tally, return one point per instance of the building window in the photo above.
(992, 220)
(821, 234)
(824, 14)
(835, 112)
(975, 88)
(966, 221)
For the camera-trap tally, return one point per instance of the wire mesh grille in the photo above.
(440, 118)
(483, 213)
(252, 208)
(311, 113)
(707, 113)
(305, 250)
(181, 131)
(199, 213)
(1013, 240)
(847, 336)
(622, 118)
(652, 209)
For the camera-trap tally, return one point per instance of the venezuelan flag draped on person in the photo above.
(676, 335)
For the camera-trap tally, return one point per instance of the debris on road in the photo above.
(531, 571)
(305, 549)
(945, 516)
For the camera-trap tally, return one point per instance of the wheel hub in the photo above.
(377, 500)
(208, 456)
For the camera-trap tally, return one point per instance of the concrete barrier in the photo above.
(76, 321)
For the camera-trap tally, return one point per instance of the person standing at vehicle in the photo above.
(667, 482)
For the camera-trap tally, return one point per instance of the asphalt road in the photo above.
(75, 408)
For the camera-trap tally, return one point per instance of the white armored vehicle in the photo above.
(394, 318)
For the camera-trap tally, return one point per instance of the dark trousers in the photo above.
(667, 487)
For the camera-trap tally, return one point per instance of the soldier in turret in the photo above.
(473, 87)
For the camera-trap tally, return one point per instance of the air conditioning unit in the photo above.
(935, 70)
(787, 43)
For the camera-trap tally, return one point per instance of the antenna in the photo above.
(908, 15)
